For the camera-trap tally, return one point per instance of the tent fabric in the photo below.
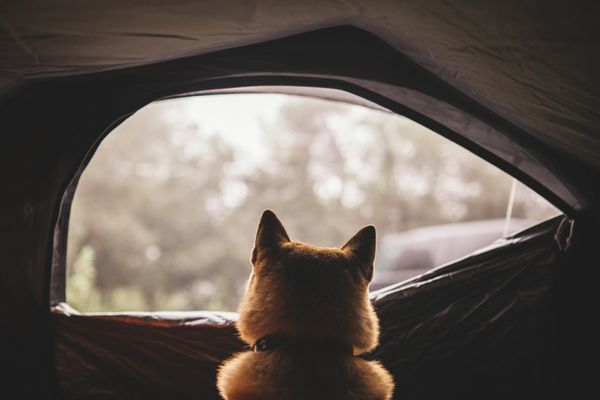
(482, 327)
(151, 356)
(534, 63)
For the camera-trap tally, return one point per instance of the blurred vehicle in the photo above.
(407, 254)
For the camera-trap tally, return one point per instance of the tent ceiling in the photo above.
(534, 63)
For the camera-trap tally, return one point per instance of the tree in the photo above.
(165, 214)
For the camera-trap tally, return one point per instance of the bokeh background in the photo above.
(165, 214)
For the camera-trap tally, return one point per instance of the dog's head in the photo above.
(313, 292)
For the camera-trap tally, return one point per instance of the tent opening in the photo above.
(164, 215)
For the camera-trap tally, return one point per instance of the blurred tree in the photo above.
(82, 291)
(156, 225)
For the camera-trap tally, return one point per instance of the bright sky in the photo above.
(239, 119)
(229, 116)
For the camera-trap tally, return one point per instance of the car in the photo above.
(403, 255)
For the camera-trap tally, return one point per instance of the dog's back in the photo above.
(307, 315)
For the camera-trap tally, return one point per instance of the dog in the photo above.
(307, 316)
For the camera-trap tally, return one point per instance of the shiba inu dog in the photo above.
(307, 315)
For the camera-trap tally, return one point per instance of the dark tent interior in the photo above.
(514, 82)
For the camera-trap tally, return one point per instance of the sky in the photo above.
(238, 120)
(229, 116)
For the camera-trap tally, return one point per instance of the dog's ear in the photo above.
(362, 245)
(271, 233)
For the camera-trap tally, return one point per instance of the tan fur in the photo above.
(314, 293)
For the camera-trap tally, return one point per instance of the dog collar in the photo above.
(271, 342)
(264, 344)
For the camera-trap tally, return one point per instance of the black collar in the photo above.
(274, 341)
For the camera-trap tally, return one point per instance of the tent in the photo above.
(515, 82)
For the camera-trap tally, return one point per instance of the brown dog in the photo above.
(307, 315)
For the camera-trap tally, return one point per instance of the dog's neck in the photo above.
(277, 341)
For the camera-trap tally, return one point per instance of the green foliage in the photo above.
(81, 290)
(165, 214)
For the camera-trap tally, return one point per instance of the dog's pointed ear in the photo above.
(362, 245)
(270, 233)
